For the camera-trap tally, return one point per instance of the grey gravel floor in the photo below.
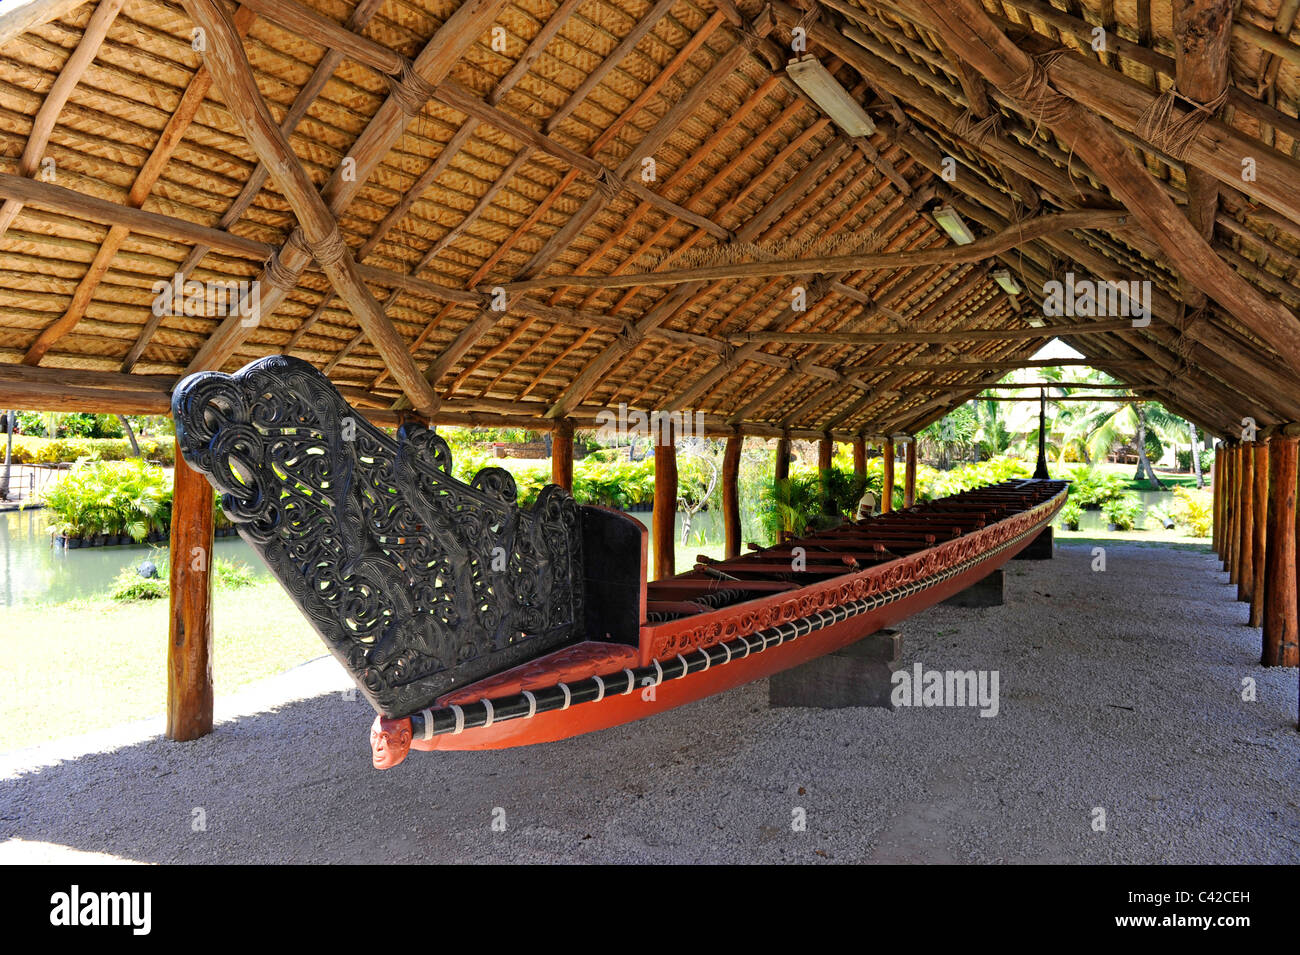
(1120, 691)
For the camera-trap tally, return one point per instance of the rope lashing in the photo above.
(607, 185)
(277, 274)
(329, 250)
(975, 130)
(1163, 127)
(1033, 91)
(409, 90)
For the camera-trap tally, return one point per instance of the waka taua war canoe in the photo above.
(471, 623)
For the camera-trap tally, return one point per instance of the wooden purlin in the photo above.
(172, 135)
(234, 76)
(74, 68)
(734, 361)
(667, 306)
(384, 130)
(903, 88)
(321, 74)
(473, 332)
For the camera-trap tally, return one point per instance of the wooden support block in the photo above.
(189, 649)
(988, 592)
(1041, 547)
(858, 675)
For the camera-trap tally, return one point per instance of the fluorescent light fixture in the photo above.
(1007, 281)
(952, 223)
(834, 100)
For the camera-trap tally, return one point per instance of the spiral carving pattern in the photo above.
(417, 582)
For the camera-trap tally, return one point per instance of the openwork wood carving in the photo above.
(417, 582)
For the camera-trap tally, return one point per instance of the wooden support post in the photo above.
(189, 648)
(909, 474)
(562, 455)
(665, 507)
(1259, 508)
(825, 454)
(1230, 503)
(887, 489)
(781, 470)
(1216, 497)
(731, 493)
(1281, 619)
(860, 457)
(1246, 525)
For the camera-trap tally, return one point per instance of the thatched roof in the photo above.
(464, 148)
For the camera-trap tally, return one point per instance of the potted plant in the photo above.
(1122, 512)
(1071, 514)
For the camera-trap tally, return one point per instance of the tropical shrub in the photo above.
(129, 585)
(1093, 488)
(1123, 511)
(30, 450)
(110, 497)
(1071, 515)
(1193, 510)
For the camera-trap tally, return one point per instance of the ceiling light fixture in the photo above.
(834, 100)
(1007, 281)
(952, 223)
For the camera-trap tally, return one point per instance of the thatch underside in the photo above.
(518, 155)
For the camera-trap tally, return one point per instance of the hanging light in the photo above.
(951, 222)
(1007, 282)
(834, 100)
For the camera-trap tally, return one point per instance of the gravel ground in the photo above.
(1120, 691)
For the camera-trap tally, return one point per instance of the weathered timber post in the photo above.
(562, 455)
(1230, 500)
(887, 488)
(860, 457)
(1216, 499)
(1259, 506)
(665, 506)
(781, 469)
(1281, 616)
(189, 648)
(909, 474)
(1246, 526)
(825, 454)
(731, 493)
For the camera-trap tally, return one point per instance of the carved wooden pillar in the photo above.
(665, 506)
(887, 488)
(1281, 617)
(562, 455)
(1246, 526)
(781, 470)
(1259, 506)
(859, 457)
(731, 493)
(909, 474)
(189, 648)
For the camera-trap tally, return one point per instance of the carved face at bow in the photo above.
(390, 741)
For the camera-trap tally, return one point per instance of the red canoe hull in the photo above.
(617, 709)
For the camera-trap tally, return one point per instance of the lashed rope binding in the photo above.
(1033, 91)
(410, 90)
(1163, 127)
(975, 130)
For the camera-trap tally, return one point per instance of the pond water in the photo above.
(32, 570)
(1096, 520)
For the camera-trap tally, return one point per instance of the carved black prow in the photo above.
(417, 582)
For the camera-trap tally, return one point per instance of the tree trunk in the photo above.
(1144, 468)
(1196, 456)
(130, 436)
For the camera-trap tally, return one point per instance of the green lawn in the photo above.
(74, 667)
